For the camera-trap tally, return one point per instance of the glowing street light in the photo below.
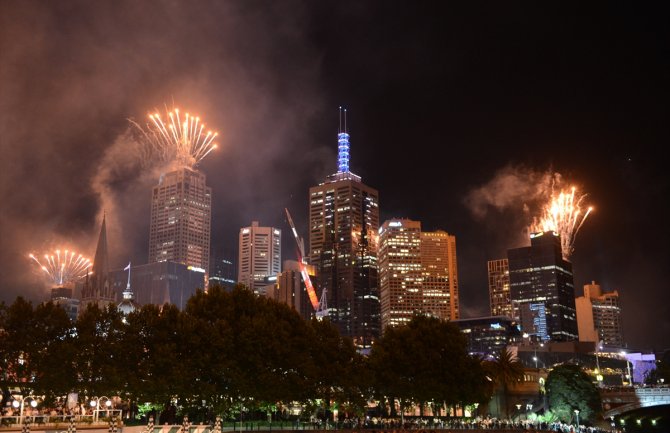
(96, 402)
(19, 402)
(577, 414)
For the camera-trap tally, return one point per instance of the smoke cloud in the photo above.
(74, 72)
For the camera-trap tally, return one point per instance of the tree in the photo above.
(425, 361)
(570, 388)
(506, 370)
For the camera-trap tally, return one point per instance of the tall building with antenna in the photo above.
(181, 216)
(343, 222)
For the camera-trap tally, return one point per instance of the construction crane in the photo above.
(320, 306)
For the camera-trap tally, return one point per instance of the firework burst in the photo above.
(564, 214)
(178, 137)
(63, 267)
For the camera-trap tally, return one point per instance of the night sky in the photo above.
(456, 112)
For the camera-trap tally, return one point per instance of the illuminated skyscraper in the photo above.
(343, 222)
(181, 217)
(439, 270)
(417, 273)
(259, 257)
(541, 283)
(499, 294)
(400, 276)
(599, 316)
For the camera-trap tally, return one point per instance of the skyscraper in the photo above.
(499, 293)
(439, 269)
(599, 316)
(181, 219)
(400, 276)
(343, 222)
(97, 287)
(541, 283)
(417, 273)
(259, 256)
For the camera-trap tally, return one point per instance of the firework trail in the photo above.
(177, 137)
(63, 267)
(564, 214)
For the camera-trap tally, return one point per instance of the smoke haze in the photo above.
(71, 81)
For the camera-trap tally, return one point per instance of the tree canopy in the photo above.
(569, 389)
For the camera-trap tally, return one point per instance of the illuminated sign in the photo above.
(395, 224)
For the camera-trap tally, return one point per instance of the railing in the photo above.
(44, 420)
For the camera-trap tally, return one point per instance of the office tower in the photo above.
(97, 287)
(541, 283)
(64, 297)
(259, 256)
(343, 222)
(417, 273)
(159, 283)
(223, 269)
(499, 294)
(599, 316)
(290, 289)
(181, 219)
(439, 269)
(489, 335)
(400, 272)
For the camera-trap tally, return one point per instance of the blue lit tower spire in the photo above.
(343, 145)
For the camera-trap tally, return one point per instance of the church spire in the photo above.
(101, 260)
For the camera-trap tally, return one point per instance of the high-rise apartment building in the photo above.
(343, 222)
(259, 256)
(499, 293)
(417, 273)
(181, 216)
(599, 316)
(541, 284)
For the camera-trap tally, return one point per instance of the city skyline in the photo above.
(454, 101)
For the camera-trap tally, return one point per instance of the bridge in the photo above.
(617, 401)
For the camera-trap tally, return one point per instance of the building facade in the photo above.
(500, 300)
(541, 284)
(343, 223)
(599, 316)
(290, 289)
(259, 256)
(418, 273)
(489, 335)
(181, 215)
(64, 297)
(223, 269)
(439, 270)
(159, 283)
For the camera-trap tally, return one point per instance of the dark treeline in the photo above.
(232, 352)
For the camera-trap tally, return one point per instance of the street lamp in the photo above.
(19, 402)
(577, 414)
(95, 405)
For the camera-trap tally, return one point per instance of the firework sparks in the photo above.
(564, 214)
(177, 137)
(63, 267)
